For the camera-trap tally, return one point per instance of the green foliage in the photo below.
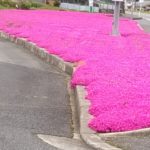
(56, 3)
(7, 3)
(36, 5)
(28, 4)
(2, 7)
(24, 5)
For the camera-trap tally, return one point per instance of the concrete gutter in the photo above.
(90, 137)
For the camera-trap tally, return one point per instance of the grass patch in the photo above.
(2, 7)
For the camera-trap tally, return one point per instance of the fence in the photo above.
(77, 7)
(82, 5)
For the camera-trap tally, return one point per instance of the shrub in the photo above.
(56, 3)
(12, 4)
(7, 3)
(25, 5)
(36, 5)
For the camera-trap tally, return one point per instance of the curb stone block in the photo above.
(12, 38)
(97, 143)
(23, 42)
(28, 45)
(43, 54)
(84, 118)
(4, 35)
(49, 58)
(40, 52)
(32, 47)
(55, 60)
(61, 65)
(69, 68)
(139, 132)
(88, 136)
(19, 41)
(35, 51)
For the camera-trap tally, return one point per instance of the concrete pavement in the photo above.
(33, 100)
(145, 24)
(143, 19)
(130, 142)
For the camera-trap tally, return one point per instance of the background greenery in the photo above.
(9, 4)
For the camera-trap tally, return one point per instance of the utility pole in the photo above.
(115, 28)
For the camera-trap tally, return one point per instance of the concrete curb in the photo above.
(90, 137)
(41, 53)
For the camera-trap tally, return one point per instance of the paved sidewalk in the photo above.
(144, 20)
(134, 142)
(145, 24)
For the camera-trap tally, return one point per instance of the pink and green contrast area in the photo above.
(114, 70)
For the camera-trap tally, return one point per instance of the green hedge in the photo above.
(7, 3)
(27, 4)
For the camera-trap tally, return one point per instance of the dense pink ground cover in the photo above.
(114, 70)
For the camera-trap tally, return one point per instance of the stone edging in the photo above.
(40, 52)
(90, 137)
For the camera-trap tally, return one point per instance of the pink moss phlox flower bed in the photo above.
(114, 70)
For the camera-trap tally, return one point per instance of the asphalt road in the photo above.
(33, 100)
